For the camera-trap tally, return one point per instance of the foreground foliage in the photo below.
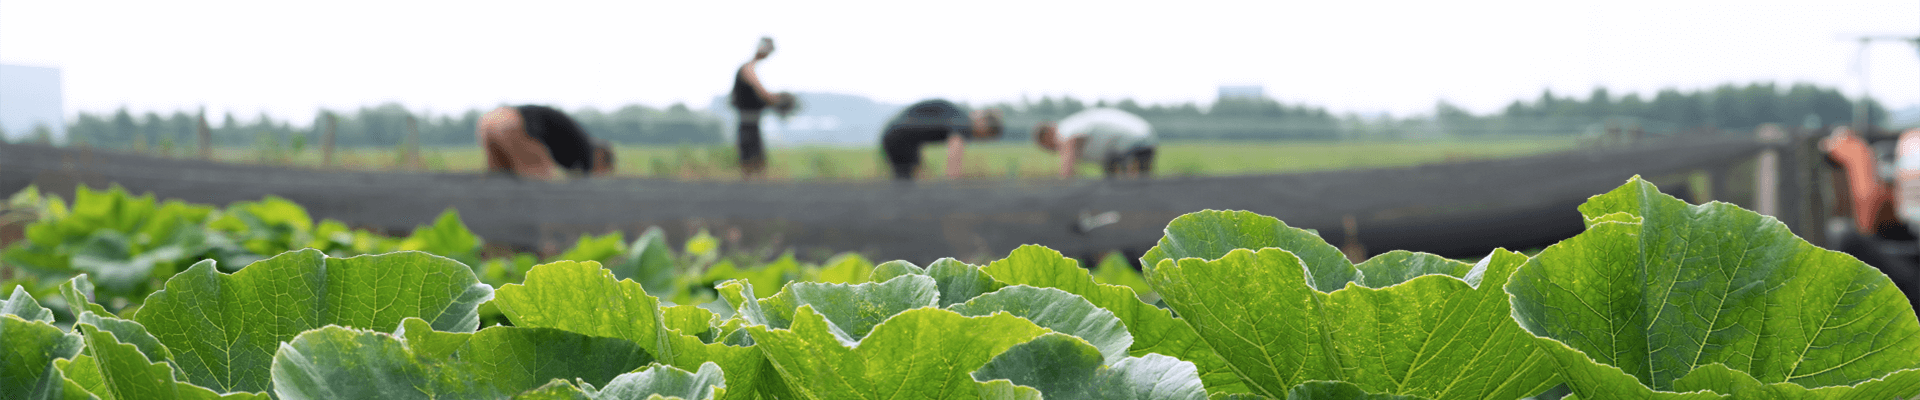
(1657, 299)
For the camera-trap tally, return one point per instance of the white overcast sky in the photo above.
(290, 58)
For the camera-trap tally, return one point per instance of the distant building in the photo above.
(1243, 92)
(29, 97)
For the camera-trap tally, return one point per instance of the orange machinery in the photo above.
(1881, 191)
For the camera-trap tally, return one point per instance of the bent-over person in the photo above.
(540, 142)
(935, 121)
(1118, 141)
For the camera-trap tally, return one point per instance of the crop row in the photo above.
(130, 244)
(1656, 299)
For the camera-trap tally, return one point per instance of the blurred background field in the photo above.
(1021, 160)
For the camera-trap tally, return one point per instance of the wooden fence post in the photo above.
(326, 141)
(205, 137)
(413, 143)
(1766, 174)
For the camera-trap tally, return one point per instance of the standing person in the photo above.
(1117, 140)
(540, 142)
(749, 97)
(932, 121)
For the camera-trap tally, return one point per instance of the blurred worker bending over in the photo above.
(540, 142)
(1120, 142)
(934, 121)
(750, 98)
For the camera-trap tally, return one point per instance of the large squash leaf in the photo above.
(1330, 390)
(923, 353)
(1154, 330)
(447, 237)
(850, 313)
(119, 370)
(417, 362)
(1659, 297)
(658, 382)
(223, 329)
(1210, 235)
(1057, 311)
(29, 344)
(1445, 333)
(649, 261)
(582, 297)
(1064, 367)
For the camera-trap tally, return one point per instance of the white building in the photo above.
(29, 97)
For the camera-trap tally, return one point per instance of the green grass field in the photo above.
(983, 161)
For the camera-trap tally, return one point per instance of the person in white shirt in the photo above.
(1122, 143)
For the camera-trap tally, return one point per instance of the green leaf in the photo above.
(1210, 234)
(599, 249)
(314, 365)
(845, 268)
(1640, 300)
(131, 333)
(28, 349)
(666, 381)
(851, 310)
(1065, 367)
(21, 304)
(1434, 336)
(1721, 379)
(223, 329)
(1154, 329)
(417, 362)
(584, 298)
(558, 389)
(126, 373)
(960, 281)
(270, 226)
(447, 237)
(1398, 266)
(78, 292)
(1326, 390)
(924, 353)
(1057, 311)
(1001, 389)
(691, 320)
(703, 248)
(649, 261)
(82, 376)
(1114, 270)
(893, 269)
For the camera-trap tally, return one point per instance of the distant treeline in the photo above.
(1670, 111)
(1727, 107)
(381, 126)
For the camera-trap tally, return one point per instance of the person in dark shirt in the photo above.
(540, 142)
(933, 121)
(749, 97)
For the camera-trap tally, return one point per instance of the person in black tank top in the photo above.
(749, 97)
(934, 121)
(540, 142)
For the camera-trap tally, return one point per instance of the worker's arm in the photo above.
(753, 79)
(530, 158)
(1070, 154)
(956, 150)
(503, 137)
